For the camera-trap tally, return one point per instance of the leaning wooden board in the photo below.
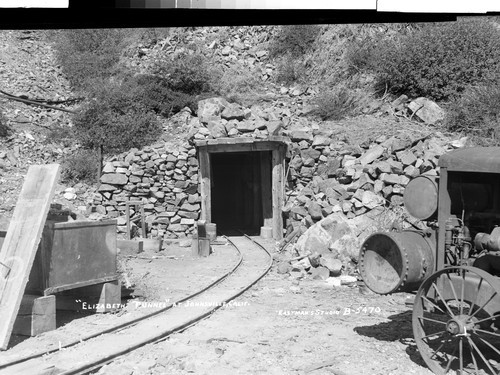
(21, 242)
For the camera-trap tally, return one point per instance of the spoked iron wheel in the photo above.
(456, 321)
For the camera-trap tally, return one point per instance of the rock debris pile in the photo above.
(331, 184)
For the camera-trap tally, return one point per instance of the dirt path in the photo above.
(282, 325)
(285, 326)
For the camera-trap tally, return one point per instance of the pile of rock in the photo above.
(359, 181)
(325, 176)
(17, 152)
(225, 46)
(164, 180)
(29, 70)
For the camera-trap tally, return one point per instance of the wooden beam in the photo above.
(205, 190)
(267, 200)
(79, 284)
(21, 242)
(242, 140)
(277, 192)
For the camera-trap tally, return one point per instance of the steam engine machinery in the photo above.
(453, 265)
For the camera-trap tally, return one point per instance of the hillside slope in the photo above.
(29, 70)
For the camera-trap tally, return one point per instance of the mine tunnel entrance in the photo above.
(241, 190)
(242, 184)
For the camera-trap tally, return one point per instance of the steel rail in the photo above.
(126, 324)
(91, 367)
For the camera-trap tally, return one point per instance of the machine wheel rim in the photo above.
(458, 336)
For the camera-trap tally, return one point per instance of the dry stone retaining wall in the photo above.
(325, 175)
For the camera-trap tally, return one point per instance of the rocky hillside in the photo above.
(370, 157)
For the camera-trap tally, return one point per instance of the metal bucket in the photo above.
(396, 261)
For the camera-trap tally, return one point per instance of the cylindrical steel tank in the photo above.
(421, 197)
(396, 261)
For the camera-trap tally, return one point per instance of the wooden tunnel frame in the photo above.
(277, 146)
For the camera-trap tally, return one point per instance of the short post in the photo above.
(143, 224)
(201, 243)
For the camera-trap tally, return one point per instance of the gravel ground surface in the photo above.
(285, 325)
(282, 325)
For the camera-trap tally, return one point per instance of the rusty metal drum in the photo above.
(421, 197)
(396, 261)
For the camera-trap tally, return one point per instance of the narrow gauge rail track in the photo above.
(94, 351)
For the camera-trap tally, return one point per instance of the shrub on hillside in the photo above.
(336, 104)
(359, 55)
(172, 84)
(477, 113)
(295, 40)
(155, 94)
(188, 73)
(239, 84)
(81, 166)
(289, 70)
(440, 60)
(60, 134)
(89, 55)
(116, 121)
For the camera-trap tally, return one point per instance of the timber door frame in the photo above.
(277, 146)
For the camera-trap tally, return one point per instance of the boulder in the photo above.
(108, 168)
(315, 259)
(406, 157)
(310, 153)
(301, 135)
(211, 107)
(114, 179)
(314, 210)
(284, 267)
(274, 127)
(371, 155)
(320, 273)
(426, 110)
(333, 264)
(233, 112)
(321, 141)
(246, 126)
(217, 129)
(321, 235)
(371, 200)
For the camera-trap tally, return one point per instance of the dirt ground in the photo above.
(285, 325)
(282, 325)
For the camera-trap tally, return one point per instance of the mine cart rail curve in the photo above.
(254, 262)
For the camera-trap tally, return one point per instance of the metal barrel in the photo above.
(421, 197)
(396, 261)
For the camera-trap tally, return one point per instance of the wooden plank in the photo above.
(231, 141)
(243, 147)
(243, 144)
(257, 190)
(201, 228)
(267, 202)
(277, 192)
(205, 189)
(21, 242)
(79, 284)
